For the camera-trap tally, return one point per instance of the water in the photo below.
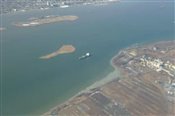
(32, 86)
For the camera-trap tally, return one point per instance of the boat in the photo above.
(64, 6)
(84, 56)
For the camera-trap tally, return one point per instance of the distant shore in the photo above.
(12, 8)
(46, 20)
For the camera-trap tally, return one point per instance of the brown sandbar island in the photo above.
(65, 49)
(46, 20)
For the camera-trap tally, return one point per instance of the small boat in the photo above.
(84, 56)
(64, 6)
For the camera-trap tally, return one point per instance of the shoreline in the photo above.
(136, 46)
(108, 78)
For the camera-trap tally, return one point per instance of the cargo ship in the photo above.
(84, 56)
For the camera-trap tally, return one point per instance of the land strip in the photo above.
(65, 49)
(46, 20)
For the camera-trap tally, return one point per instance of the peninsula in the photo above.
(46, 20)
(145, 86)
(65, 49)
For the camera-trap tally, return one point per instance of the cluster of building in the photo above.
(23, 5)
(164, 66)
(158, 65)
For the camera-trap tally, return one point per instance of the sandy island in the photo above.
(63, 50)
(46, 20)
